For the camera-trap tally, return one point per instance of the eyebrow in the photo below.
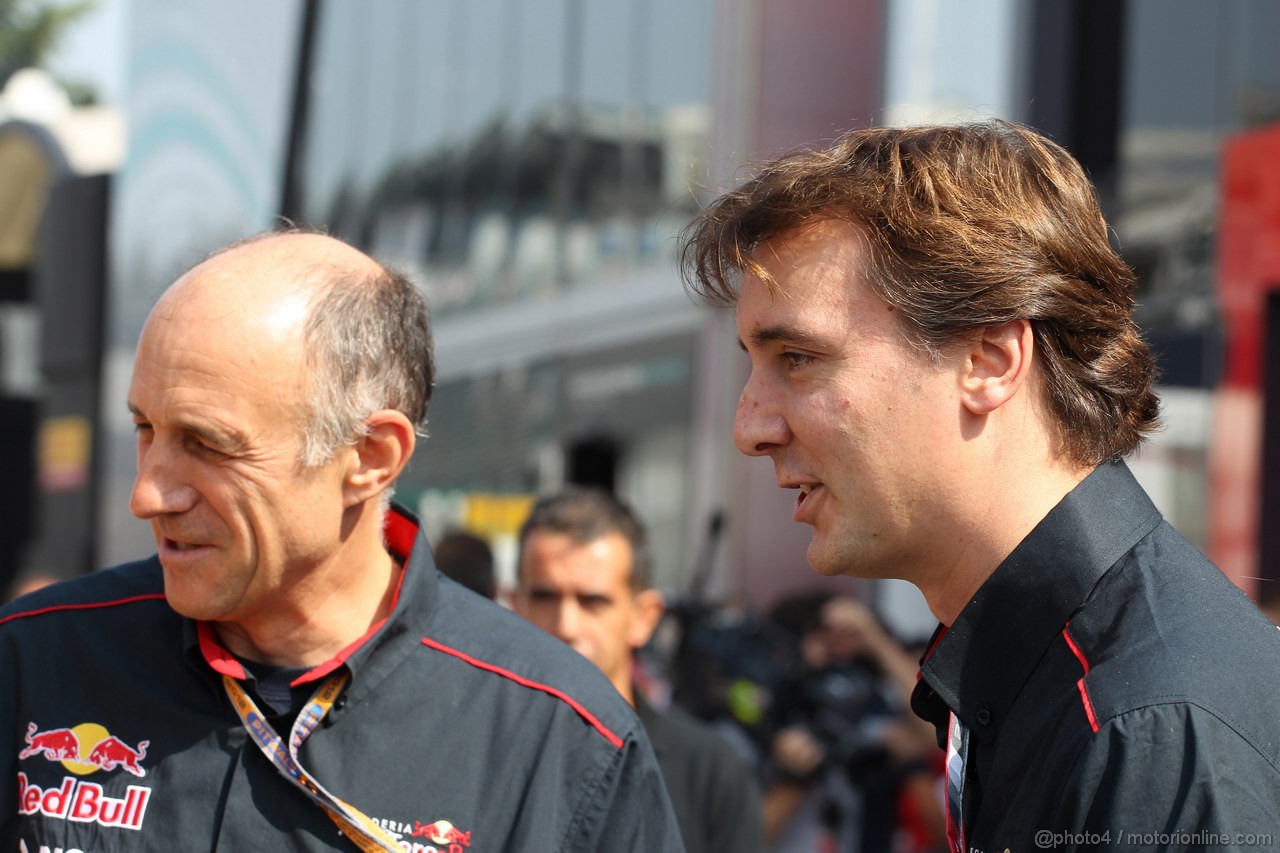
(785, 333)
(226, 438)
(545, 589)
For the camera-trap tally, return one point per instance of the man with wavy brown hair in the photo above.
(945, 366)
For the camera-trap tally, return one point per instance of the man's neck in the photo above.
(329, 612)
(991, 535)
(625, 688)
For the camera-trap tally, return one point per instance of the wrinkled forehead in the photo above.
(199, 327)
(218, 379)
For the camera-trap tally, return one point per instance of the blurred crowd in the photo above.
(815, 692)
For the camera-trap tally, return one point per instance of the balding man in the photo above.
(290, 672)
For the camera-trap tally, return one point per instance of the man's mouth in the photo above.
(180, 547)
(805, 495)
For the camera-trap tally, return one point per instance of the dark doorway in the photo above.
(594, 462)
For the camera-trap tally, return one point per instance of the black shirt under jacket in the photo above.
(713, 790)
(1120, 692)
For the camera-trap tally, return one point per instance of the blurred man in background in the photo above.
(290, 672)
(467, 559)
(584, 576)
(946, 368)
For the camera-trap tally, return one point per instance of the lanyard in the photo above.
(957, 755)
(352, 822)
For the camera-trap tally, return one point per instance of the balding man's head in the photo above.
(273, 263)
(364, 337)
(285, 349)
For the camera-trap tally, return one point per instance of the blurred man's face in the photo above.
(238, 523)
(582, 594)
(853, 417)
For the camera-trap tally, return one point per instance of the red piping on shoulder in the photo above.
(153, 596)
(524, 682)
(1075, 650)
(1084, 692)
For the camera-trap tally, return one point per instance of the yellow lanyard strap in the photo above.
(355, 824)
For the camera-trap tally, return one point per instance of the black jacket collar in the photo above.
(980, 664)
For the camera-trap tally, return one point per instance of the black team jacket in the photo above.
(462, 730)
(1120, 692)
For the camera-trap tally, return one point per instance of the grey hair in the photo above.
(368, 347)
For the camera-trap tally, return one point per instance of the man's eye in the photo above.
(206, 449)
(796, 359)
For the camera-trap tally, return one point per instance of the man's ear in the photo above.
(649, 606)
(380, 456)
(997, 364)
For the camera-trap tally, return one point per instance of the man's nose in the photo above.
(160, 487)
(568, 620)
(759, 426)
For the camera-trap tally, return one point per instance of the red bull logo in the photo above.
(440, 836)
(84, 749)
(442, 832)
(56, 744)
(113, 752)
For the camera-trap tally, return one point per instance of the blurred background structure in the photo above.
(531, 164)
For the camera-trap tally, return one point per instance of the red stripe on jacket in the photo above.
(1084, 692)
(525, 682)
(152, 596)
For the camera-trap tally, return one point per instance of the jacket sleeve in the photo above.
(627, 808)
(1169, 777)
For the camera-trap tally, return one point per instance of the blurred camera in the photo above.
(845, 710)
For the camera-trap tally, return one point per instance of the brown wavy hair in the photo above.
(966, 226)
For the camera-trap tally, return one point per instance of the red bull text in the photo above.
(84, 802)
